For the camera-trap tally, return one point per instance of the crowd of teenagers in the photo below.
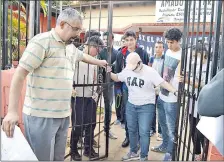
(144, 87)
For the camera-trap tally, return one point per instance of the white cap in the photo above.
(132, 61)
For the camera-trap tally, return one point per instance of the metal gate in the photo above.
(196, 72)
(21, 20)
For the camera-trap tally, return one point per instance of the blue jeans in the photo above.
(167, 112)
(139, 118)
(124, 106)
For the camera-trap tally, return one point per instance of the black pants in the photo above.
(83, 118)
(198, 141)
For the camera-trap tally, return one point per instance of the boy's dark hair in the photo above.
(130, 33)
(173, 34)
(200, 49)
(95, 41)
(107, 33)
(90, 34)
(160, 42)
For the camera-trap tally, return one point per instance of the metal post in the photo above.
(19, 4)
(31, 19)
(222, 42)
(5, 35)
(1, 33)
(37, 19)
(109, 50)
(10, 47)
(217, 38)
(49, 3)
(27, 22)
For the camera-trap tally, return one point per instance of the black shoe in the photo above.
(125, 143)
(76, 156)
(91, 154)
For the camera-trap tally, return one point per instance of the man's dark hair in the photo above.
(130, 33)
(173, 34)
(107, 33)
(90, 34)
(160, 42)
(94, 41)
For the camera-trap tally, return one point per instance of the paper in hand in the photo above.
(16, 148)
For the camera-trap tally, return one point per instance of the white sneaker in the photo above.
(131, 156)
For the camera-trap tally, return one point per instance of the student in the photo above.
(156, 62)
(140, 109)
(107, 92)
(131, 46)
(198, 141)
(88, 34)
(46, 110)
(85, 106)
(167, 102)
(118, 97)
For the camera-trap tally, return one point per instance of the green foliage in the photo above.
(13, 34)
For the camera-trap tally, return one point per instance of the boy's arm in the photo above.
(114, 77)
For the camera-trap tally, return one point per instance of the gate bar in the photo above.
(109, 50)
(185, 65)
(31, 19)
(217, 38)
(10, 47)
(27, 18)
(5, 35)
(37, 31)
(194, 80)
(19, 38)
(49, 9)
(222, 46)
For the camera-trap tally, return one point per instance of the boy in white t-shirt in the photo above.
(167, 102)
(83, 104)
(140, 109)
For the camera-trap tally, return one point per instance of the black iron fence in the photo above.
(200, 62)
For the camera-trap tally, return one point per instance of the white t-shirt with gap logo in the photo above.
(141, 84)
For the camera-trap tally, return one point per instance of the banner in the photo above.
(173, 11)
(147, 42)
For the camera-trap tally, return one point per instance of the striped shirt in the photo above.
(51, 68)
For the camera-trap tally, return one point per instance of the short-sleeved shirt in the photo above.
(51, 68)
(170, 74)
(84, 74)
(141, 84)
